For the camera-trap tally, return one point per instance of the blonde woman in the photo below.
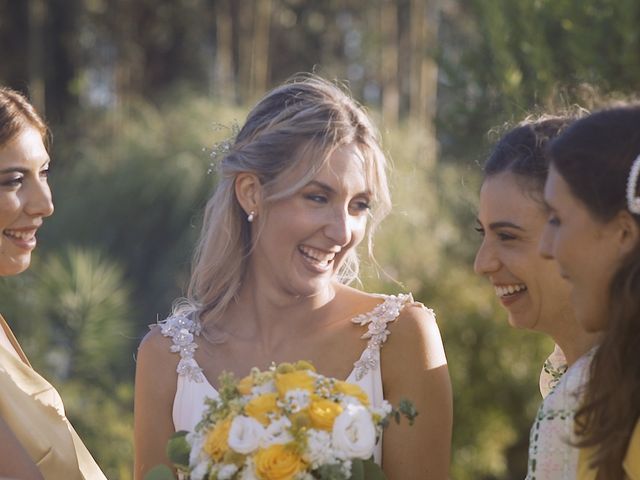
(302, 185)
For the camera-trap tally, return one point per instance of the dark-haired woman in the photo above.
(593, 191)
(36, 439)
(511, 219)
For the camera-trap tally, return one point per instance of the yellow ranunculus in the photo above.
(352, 390)
(323, 412)
(215, 445)
(259, 407)
(299, 379)
(278, 462)
(245, 385)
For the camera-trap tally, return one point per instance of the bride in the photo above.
(300, 188)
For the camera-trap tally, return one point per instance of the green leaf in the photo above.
(160, 472)
(372, 470)
(178, 448)
(357, 469)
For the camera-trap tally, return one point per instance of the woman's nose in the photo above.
(486, 261)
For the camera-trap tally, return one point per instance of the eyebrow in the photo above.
(21, 169)
(13, 169)
(329, 189)
(504, 224)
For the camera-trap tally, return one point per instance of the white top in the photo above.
(193, 387)
(551, 455)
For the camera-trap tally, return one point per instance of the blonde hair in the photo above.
(304, 120)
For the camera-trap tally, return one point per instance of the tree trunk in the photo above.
(260, 49)
(37, 15)
(389, 62)
(224, 71)
(424, 69)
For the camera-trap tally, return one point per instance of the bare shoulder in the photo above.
(415, 337)
(154, 353)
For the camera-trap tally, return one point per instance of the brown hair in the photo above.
(594, 157)
(522, 151)
(16, 113)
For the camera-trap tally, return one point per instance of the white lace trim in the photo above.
(377, 332)
(182, 330)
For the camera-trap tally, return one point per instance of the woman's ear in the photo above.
(248, 192)
(629, 232)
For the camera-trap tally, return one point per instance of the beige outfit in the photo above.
(33, 410)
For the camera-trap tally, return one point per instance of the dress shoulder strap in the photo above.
(377, 332)
(182, 329)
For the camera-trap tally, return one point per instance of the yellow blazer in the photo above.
(34, 411)
(631, 463)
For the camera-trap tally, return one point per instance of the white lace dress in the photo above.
(193, 387)
(551, 455)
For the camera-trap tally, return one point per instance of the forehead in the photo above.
(25, 149)
(343, 168)
(504, 196)
(556, 190)
(346, 165)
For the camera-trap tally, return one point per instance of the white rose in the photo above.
(354, 434)
(245, 434)
(277, 432)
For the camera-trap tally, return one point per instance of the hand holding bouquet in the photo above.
(286, 423)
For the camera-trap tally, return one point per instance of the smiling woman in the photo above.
(301, 186)
(594, 235)
(511, 217)
(36, 439)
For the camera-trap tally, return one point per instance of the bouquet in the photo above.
(286, 423)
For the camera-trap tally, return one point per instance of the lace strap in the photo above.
(377, 332)
(182, 330)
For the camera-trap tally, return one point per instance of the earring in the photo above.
(251, 216)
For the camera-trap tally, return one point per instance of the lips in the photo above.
(503, 291)
(317, 258)
(24, 238)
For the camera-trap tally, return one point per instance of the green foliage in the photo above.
(160, 472)
(178, 449)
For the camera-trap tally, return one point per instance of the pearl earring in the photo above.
(251, 216)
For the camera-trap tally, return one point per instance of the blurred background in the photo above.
(138, 93)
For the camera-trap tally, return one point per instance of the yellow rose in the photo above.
(352, 390)
(323, 412)
(215, 445)
(259, 407)
(278, 462)
(245, 385)
(299, 379)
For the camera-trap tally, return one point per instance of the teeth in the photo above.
(504, 290)
(322, 258)
(19, 235)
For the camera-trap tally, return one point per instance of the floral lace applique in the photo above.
(182, 330)
(377, 332)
